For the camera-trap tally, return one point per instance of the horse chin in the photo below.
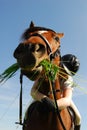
(32, 74)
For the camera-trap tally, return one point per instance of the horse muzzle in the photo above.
(29, 57)
(25, 57)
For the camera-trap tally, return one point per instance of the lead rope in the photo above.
(20, 101)
(57, 108)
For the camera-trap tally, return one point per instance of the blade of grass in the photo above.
(9, 72)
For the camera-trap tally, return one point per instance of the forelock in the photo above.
(28, 31)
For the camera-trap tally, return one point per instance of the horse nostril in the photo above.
(22, 49)
(31, 47)
(19, 50)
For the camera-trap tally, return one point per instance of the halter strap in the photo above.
(44, 39)
(49, 49)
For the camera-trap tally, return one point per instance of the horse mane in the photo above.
(32, 29)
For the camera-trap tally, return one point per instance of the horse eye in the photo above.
(57, 39)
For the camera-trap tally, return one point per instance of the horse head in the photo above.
(38, 43)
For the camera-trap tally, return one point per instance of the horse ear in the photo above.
(60, 35)
(31, 24)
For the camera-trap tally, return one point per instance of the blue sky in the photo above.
(69, 17)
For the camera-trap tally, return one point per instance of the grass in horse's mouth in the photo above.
(50, 69)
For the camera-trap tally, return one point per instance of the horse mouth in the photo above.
(30, 65)
(32, 74)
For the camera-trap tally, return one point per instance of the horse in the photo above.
(41, 43)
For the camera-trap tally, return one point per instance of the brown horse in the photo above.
(41, 43)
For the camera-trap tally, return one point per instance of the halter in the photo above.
(49, 49)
